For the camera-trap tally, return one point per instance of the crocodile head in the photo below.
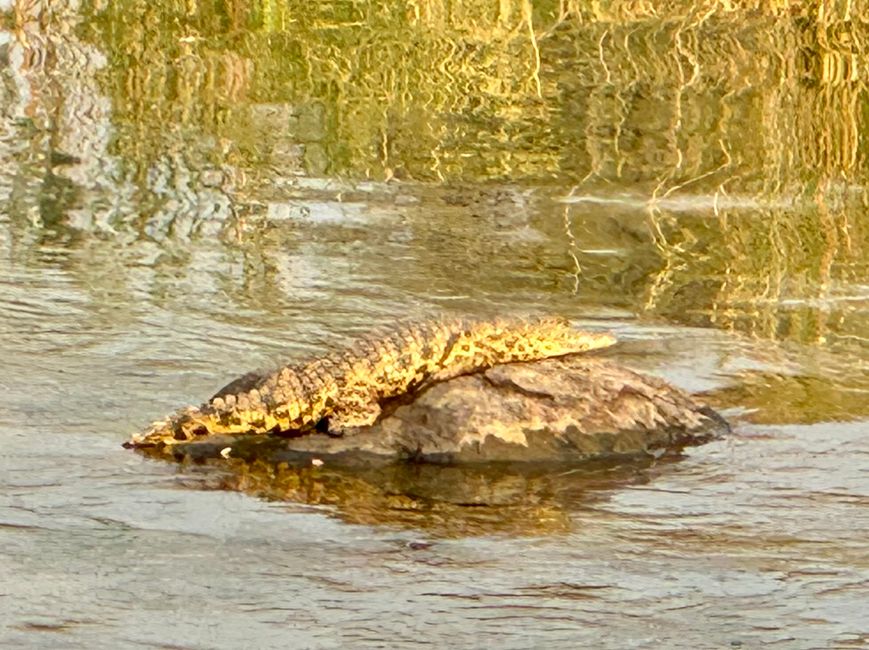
(182, 426)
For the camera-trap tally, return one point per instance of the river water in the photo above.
(160, 235)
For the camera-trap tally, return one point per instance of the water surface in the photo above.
(190, 192)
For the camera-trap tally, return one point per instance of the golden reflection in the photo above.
(761, 98)
(779, 273)
(771, 398)
(761, 101)
(445, 501)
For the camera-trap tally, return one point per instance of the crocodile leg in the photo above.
(341, 420)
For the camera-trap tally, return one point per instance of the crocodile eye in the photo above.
(188, 432)
(466, 348)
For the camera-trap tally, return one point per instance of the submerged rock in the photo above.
(566, 409)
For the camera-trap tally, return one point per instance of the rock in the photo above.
(563, 410)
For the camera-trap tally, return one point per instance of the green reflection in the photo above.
(775, 399)
(744, 100)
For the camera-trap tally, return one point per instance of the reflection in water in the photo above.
(798, 399)
(56, 121)
(656, 99)
(444, 501)
(175, 120)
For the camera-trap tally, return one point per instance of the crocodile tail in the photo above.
(484, 344)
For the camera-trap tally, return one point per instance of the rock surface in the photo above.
(567, 409)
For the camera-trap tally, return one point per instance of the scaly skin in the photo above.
(347, 389)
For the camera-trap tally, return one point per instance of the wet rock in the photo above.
(558, 410)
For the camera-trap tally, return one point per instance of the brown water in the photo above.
(190, 192)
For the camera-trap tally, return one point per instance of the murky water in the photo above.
(190, 192)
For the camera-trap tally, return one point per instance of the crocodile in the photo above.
(345, 390)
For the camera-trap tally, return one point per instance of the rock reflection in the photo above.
(444, 501)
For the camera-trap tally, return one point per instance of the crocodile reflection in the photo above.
(441, 501)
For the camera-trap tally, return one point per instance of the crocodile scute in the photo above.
(347, 389)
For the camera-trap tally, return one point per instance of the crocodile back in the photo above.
(346, 388)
